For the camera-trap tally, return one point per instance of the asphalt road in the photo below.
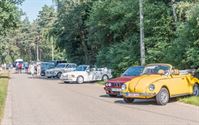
(50, 102)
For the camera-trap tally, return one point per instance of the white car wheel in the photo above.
(105, 78)
(80, 79)
(59, 75)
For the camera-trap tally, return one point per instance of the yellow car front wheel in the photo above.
(162, 98)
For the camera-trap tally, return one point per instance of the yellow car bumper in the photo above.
(138, 95)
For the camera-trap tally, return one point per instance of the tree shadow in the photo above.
(4, 77)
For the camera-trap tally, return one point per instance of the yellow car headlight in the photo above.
(151, 87)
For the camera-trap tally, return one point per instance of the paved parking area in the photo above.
(51, 102)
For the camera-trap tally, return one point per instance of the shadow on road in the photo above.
(107, 96)
(138, 102)
(75, 83)
(144, 101)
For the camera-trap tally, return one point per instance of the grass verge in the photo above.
(191, 100)
(4, 77)
(101, 82)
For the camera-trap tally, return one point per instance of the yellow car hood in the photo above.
(141, 83)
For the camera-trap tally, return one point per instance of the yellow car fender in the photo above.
(158, 86)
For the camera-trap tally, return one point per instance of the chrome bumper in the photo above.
(138, 95)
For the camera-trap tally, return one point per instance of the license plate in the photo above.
(116, 90)
(132, 94)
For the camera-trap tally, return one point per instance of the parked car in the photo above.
(45, 66)
(56, 62)
(113, 86)
(162, 82)
(87, 73)
(60, 69)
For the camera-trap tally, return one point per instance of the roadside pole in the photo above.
(37, 48)
(52, 50)
(142, 46)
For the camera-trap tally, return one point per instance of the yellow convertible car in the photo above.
(162, 82)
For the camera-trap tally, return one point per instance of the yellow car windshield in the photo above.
(154, 69)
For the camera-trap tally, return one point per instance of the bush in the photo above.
(119, 56)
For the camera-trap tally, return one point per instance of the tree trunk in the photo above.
(85, 48)
(174, 11)
(142, 46)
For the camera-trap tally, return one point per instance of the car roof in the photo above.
(47, 62)
(83, 65)
(137, 66)
(67, 63)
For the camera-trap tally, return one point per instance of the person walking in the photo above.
(38, 70)
(32, 70)
(20, 66)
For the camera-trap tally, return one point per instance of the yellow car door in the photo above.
(178, 85)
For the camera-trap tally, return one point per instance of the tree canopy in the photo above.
(106, 32)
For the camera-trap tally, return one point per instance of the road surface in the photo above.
(50, 102)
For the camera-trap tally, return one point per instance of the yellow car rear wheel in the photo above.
(196, 90)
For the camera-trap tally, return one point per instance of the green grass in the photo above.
(191, 100)
(4, 77)
(101, 82)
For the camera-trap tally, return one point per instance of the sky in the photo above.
(32, 7)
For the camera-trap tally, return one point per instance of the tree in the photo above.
(71, 30)
(9, 15)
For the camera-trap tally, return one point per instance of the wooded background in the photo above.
(103, 32)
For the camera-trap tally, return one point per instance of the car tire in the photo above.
(128, 100)
(80, 80)
(162, 98)
(105, 78)
(59, 75)
(196, 90)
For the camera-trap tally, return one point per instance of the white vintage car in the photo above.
(86, 73)
(60, 69)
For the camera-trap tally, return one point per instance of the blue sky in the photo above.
(32, 7)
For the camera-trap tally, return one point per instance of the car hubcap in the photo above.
(164, 97)
(59, 75)
(105, 78)
(196, 91)
(80, 80)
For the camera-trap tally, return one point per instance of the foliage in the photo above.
(3, 91)
(183, 52)
(21, 42)
(191, 100)
(71, 30)
(106, 33)
(9, 15)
